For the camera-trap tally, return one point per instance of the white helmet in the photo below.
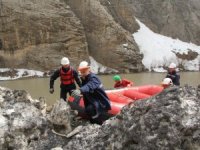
(64, 61)
(167, 81)
(83, 65)
(172, 65)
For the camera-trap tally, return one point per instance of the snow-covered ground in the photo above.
(99, 68)
(159, 51)
(19, 73)
(10, 74)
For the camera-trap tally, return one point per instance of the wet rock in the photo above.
(169, 120)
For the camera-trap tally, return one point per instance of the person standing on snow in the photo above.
(121, 83)
(68, 76)
(95, 99)
(172, 74)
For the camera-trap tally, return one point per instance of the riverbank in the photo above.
(39, 87)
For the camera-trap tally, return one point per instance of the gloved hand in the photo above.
(76, 93)
(51, 90)
(129, 85)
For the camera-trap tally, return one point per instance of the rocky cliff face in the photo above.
(37, 34)
(177, 19)
(106, 37)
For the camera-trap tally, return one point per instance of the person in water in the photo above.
(121, 83)
(173, 75)
(95, 99)
(167, 82)
(68, 76)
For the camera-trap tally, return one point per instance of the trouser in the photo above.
(91, 111)
(66, 89)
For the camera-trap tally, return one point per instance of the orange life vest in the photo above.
(66, 78)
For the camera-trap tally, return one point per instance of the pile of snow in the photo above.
(19, 73)
(159, 51)
(99, 68)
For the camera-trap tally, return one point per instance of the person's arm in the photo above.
(177, 80)
(128, 83)
(115, 85)
(92, 84)
(170, 76)
(76, 77)
(53, 77)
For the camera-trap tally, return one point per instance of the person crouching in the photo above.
(95, 99)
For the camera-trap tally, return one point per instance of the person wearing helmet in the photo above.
(68, 76)
(95, 99)
(172, 74)
(167, 82)
(121, 83)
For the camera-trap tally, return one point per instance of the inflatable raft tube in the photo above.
(119, 98)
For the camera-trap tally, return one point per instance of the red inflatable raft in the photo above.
(121, 97)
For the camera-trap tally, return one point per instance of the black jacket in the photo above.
(56, 74)
(174, 77)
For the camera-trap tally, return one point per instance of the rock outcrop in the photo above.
(168, 121)
(37, 34)
(177, 19)
(108, 42)
(25, 125)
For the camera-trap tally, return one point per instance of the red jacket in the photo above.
(123, 83)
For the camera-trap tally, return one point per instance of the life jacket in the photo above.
(66, 78)
(123, 83)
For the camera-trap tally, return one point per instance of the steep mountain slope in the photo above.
(36, 34)
(174, 18)
(106, 37)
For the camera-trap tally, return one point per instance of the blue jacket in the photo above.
(174, 77)
(94, 94)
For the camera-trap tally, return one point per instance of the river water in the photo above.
(39, 87)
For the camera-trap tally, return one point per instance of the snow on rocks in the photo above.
(24, 123)
(99, 68)
(12, 74)
(169, 120)
(159, 51)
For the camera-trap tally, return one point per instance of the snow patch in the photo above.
(189, 106)
(20, 73)
(99, 68)
(159, 51)
(3, 121)
(159, 69)
(125, 45)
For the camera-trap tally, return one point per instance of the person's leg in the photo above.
(63, 93)
(72, 87)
